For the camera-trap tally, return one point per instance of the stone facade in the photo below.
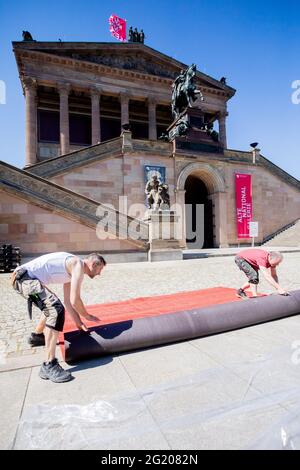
(124, 83)
(53, 204)
(123, 175)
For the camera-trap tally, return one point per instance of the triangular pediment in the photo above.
(134, 57)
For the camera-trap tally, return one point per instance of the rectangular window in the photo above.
(80, 129)
(48, 126)
(139, 130)
(110, 128)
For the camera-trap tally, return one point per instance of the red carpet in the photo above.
(115, 312)
(195, 314)
(151, 306)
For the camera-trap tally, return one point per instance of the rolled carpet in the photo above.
(158, 320)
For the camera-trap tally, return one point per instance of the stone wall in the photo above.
(101, 181)
(37, 230)
(106, 180)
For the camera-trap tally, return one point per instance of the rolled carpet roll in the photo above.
(166, 319)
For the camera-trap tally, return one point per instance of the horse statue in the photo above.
(184, 91)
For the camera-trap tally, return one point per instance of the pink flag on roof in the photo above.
(117, 27)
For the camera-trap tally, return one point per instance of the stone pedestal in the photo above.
(164, 235)
(189, 132)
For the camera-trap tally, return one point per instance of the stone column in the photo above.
(64, 91)
(180, 209)
(222, 129)
(96, 130)
(221, 223)
(31, 121)
(152, 119)
(124, 108)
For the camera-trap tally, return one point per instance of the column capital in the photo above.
(64, 88)
(95, 92)
(222, 114)
(124, 97)
(30, 83)
(152, 100)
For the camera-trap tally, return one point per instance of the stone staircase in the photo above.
(42, 192)
(288, 235)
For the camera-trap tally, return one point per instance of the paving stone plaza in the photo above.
(230, 391)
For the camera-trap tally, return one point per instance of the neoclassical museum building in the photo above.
(94, 115)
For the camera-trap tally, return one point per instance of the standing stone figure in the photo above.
(157, 194)
(130, 33)
(142, 36)
(151, 190)
(135, 35)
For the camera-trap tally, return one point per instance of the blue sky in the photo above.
(254, 44)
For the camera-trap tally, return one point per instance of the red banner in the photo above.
(117, 27)
(244, 209)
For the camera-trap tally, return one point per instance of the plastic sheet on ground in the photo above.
(252, 404)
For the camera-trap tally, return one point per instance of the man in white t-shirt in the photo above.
(31, 281)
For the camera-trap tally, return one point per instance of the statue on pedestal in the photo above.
(157, 194)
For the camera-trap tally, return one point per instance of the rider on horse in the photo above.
(184, 91)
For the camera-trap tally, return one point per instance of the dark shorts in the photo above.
(46, 301)
(250, 272)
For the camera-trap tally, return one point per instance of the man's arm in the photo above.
(274, 274)
(75, 288)
(271, 280)
(76, 318)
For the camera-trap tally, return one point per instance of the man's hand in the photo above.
(91, 318)
(282, 291)
(81, 326)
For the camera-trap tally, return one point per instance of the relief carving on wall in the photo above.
(133, 62)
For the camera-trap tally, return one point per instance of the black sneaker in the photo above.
(36, 339)
(53, 371)
(241, 294)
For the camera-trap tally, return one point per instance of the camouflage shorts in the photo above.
(251, 273)
(46, 301)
